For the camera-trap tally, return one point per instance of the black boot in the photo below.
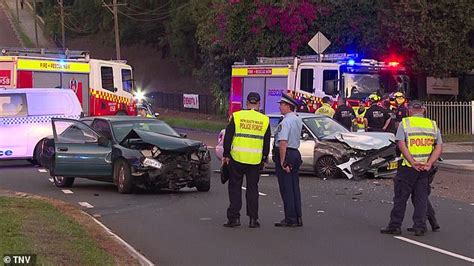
(435, 226)
(254, 223)
(299, 221)
(391, 231)
(419, 231)
(284, 223)
(232, 222)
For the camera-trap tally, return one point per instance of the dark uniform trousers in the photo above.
(289, 184)
(408, 182)
(430, 212)
(252, 175)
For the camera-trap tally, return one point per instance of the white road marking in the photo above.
(472, 204)
(51, 180)
(205, 219)
(143, 260)
(86, 204)
(320, 211)
(259, 193)
(264, 175)
(449, 253)
(42, 170)
(67, 191)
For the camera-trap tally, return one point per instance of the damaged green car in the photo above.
(128, 151)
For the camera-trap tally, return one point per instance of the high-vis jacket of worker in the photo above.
(247, 144)
(325, 109)
(360, 118)
(420, 137)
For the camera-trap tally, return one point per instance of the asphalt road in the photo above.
(342, 219)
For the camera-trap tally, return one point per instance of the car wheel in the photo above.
(61, 181)
(121, 113)
(123, 177)
(326, 167)
(203, 184)
(37, 153)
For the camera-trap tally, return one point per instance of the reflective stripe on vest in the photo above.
(420, 135)
(247, 144)
(360, 118)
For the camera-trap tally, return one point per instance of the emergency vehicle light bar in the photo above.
(46, 52)
(336, 57)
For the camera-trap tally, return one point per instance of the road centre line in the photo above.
(449, 253)
(259, 193)
(85, 204)
(67, 191)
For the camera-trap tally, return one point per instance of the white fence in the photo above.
(452, 117)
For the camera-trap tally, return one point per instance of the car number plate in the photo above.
(152, 163)
(392, 165)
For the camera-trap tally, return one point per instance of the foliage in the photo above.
(433, 35)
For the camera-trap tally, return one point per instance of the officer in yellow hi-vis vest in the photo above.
(246, 148)
(326, 108)
(419, 140)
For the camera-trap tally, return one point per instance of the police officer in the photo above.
(344, 114)
(326, 108)
(391, 126)
(246, 148)
(376, 118)
(287, 160)
(419, 140)
(401, 110)
(143, 111)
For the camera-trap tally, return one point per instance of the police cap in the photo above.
(415, 104)
(288, 100)
(253, 98)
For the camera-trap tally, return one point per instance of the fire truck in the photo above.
(103, 87)
(310, 78)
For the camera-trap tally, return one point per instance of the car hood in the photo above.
(164, 142)
(364, 140)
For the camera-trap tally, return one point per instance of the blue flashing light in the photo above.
(351, 62)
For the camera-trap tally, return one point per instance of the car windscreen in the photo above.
(324, 127)
(121, 129)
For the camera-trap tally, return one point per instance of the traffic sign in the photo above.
(319, 43)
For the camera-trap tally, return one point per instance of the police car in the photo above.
(25, 119)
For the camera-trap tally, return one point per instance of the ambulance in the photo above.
(310, 78)
(103, 87)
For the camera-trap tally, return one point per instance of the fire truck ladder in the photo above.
(306, 58)
(46, 52)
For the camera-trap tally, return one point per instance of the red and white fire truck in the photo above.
(310, 78)
(103, 87)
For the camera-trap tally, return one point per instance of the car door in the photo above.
(307, 149)
(79, 151)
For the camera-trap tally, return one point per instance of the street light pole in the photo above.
(117, 37)
(63, 34)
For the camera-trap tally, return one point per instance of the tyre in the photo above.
(121, 112)
(37, 154)
(61, 181)
(326, 167)
(123, 177)
(203, 184)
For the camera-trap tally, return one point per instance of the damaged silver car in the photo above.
(329, 150)
(128, 151)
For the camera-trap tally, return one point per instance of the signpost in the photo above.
(319, 43)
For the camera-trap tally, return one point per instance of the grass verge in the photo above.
(458, 138)
(208, 125)
(33, 226)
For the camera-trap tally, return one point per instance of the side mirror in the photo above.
(305, 136)
(103, 141)
(183, 135)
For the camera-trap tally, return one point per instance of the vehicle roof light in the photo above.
(393, 63)
(350, 62)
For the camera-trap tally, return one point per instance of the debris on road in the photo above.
(386, 201)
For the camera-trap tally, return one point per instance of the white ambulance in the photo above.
(25, 118)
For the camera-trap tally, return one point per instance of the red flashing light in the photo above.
(393, 63)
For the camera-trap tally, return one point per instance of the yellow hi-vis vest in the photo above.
(247, 144)
(360, 118)
(420, 135)
(325, 109)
